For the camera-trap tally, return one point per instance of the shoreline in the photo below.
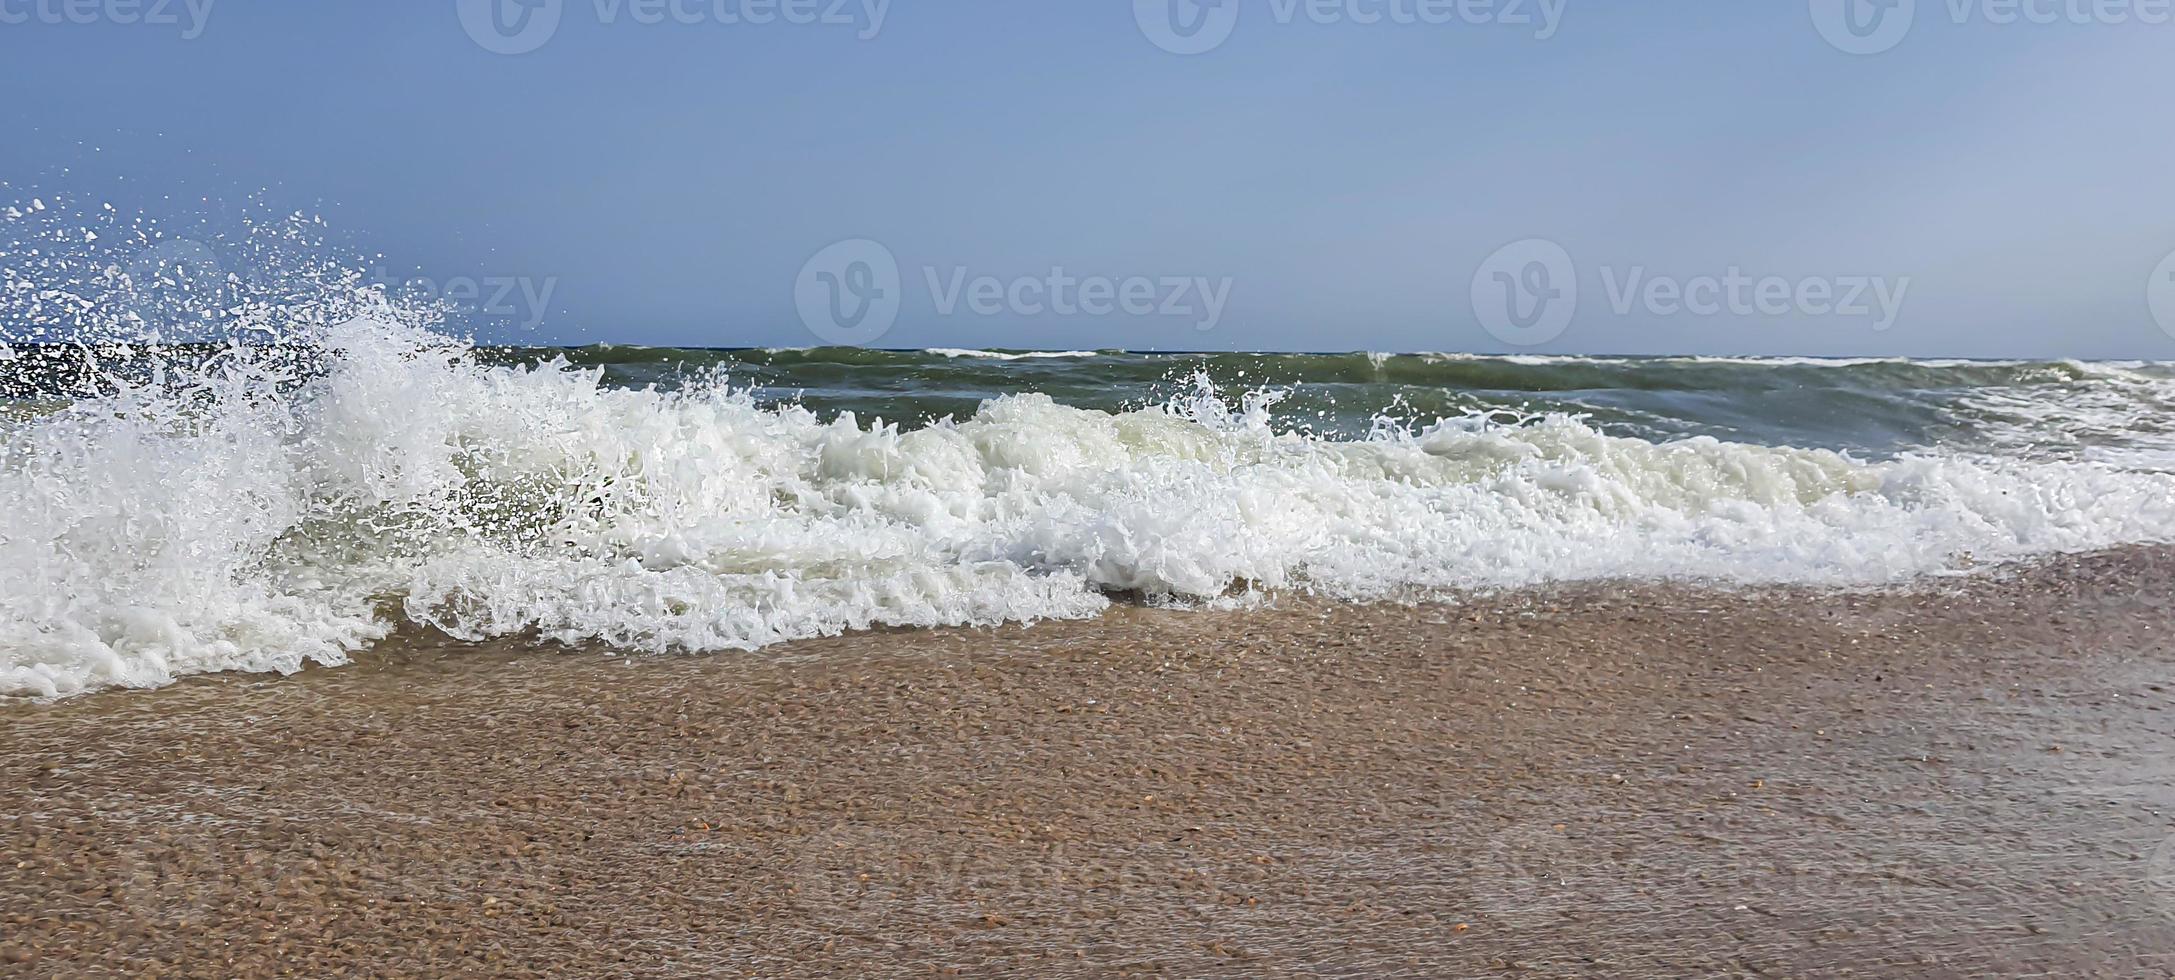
(1959, 776)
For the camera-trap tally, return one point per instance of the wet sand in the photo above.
(1962, 778)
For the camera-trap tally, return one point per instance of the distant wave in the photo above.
(993, 355)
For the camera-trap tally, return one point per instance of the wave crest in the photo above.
(260, 515)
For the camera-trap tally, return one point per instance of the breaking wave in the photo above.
(302, 466)
(259, 513)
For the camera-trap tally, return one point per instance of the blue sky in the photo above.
(1344, 184)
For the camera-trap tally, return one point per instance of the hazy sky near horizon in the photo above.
(1982, 186)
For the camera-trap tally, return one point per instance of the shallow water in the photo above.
(1959, 779)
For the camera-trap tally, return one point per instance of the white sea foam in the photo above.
(998, 355)
(1783, 360)
(259, 521)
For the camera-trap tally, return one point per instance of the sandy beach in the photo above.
(1964, 777)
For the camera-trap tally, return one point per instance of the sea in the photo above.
(241, 454)
(176, 509)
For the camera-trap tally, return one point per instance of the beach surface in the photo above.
(1969, 776)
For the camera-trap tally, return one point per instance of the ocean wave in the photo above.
(258, 517)
(998, 355)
